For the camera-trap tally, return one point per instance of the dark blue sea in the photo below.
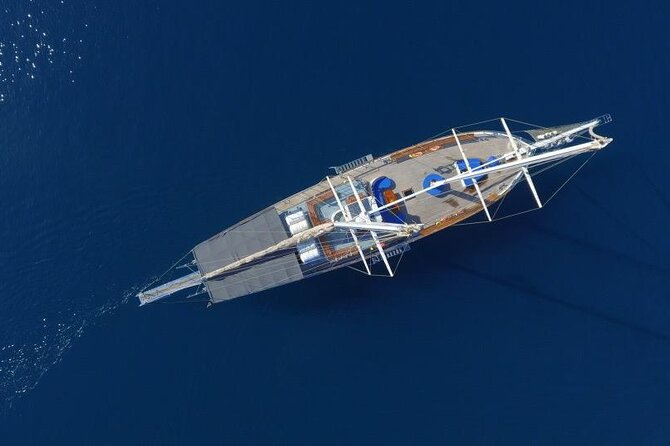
(132, 130)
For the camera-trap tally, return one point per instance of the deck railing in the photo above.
(353, 164)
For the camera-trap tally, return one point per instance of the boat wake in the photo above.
(37, 345)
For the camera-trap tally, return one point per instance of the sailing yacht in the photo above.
(372, 209)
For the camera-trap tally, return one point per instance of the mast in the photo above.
(367, 225)
(347, 216)
(524, 169)
(378, 244)
(474, 180)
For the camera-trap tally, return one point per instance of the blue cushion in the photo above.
(438, 191)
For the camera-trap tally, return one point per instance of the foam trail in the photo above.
(42, 47)
(31, 354)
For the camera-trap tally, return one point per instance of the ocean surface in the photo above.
(132, 130)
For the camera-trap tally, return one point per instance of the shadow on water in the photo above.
(601, 250)
(24, 361)
(319, 296)
(611, 216)
(325, 293)
(660, 195)
(528, 290)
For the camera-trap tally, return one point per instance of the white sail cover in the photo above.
(258, 232)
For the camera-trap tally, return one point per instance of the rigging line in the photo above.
(498, 206)
(357, 270)
(501, 203)
(552, 196)
(167, 271)
(469, 223)
(381, 275)
(542, 127)
(555, 163)
(397, 265)
(539, 172)
(527, 123)
(518, 213)
(551, 166)
(477, 123)
(572, 176)
(438, 135)
(551, 163)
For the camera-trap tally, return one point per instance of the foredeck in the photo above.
(411, 168)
